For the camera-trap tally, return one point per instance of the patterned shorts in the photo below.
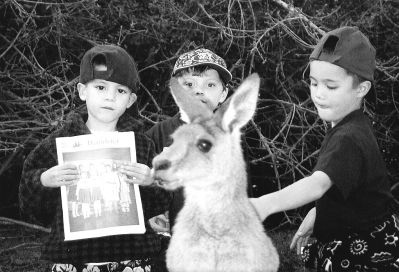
(377, 250)
(143, 265)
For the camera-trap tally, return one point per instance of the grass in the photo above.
(20, 249)
(289, 261)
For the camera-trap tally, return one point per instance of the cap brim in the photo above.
(223, 72)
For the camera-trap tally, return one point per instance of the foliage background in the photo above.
(42, 42)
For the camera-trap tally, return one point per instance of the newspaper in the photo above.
(101, 203)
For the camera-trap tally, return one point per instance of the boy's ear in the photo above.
(224, 95)
(82, 91)
(132, 99)
(363, 88)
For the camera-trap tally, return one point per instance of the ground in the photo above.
(20, 249)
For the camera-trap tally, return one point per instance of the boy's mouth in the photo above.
(322, 106)
(205, 101)
(107, 108)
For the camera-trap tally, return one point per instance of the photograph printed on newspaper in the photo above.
(101, 203)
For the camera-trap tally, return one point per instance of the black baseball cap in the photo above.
(121, 67)
(350, 49)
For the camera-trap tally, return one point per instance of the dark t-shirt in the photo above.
(360, 193)
(160, 134)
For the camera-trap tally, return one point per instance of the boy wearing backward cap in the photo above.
(355, 220)
(108, 84)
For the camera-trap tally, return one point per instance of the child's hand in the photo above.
(160, 223)
(301, 237)
(137, 173)
(66, 174)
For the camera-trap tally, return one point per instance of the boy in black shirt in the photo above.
(353, 221)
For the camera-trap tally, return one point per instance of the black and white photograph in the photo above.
(188, 136)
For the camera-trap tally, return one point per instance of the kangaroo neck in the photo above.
(216, 196)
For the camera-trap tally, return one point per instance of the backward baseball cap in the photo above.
(121, 67)
(202, 56)
(348, 48)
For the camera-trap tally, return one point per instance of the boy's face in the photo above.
(106, 101)
(207, 87)
(332, 91)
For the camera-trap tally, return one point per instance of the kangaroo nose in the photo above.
(161, 165)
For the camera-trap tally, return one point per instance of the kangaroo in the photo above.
(217, 230)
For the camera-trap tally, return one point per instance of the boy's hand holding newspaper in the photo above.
(137, 173)
(59, 175)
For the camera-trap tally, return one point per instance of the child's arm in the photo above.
(37, 202)
(297, 194)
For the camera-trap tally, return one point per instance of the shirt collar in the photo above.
(351, 116)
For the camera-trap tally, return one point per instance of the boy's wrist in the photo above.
(262, 206)
(267, 206)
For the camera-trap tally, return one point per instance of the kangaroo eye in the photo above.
(204, 145)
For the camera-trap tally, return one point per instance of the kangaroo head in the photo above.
(207, 150)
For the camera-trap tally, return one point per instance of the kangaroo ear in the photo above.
(241, 106)
(187, 102)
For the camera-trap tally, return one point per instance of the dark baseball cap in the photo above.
(348, 48)
(121, 67)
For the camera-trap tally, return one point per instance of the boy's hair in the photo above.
(356, 78)
(119, 66)
(197, 71)
(200, 60)
(350, 49)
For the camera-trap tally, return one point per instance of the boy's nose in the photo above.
(199, 91)
(319, 92)
(110, 95)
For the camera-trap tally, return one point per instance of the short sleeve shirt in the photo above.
(360, 193)
(160, 134)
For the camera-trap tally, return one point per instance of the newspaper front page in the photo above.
(101, 203)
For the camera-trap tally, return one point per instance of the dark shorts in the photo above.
(375, 250)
